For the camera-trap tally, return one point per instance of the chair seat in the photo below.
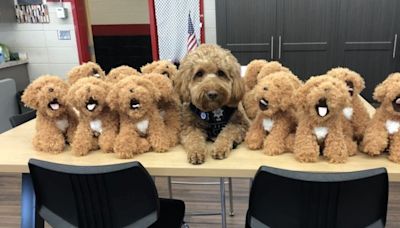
(171, 213)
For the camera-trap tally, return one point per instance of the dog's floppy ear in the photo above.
(380, 91)
(30, 94)
(113, 95)
(149, 85)
(238, 88)
(181, 80)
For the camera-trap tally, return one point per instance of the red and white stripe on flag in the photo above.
(192, 41)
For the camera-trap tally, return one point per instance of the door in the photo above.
(368, 31)
(247, 28)
(305, 36)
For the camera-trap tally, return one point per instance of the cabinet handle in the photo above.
(394, 46)
(280, 47)
(272, 47)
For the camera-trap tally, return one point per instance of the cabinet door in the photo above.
(247, 28)
(367, 34)
(306, 35)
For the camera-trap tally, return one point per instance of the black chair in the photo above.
(282, 198)
(22, 118)
(122, 195)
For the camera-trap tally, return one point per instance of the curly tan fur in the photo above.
(118, 73)
(169, 105)
(88, 96)
(377, 137)
(252, 70)
(55, 120)
(249, 103)
(275, 120)
(164, 67)
(208, 70)
(89, 69)
(355, 84)
(135, 99)
(312, 98)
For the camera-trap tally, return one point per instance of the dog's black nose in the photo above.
(212, 95)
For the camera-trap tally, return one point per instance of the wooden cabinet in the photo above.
(312, 36)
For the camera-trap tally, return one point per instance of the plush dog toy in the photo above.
(210, 85)
(89, 69)
(55, 120)
(164, 67)
(118, 73)
(357, 113)
(276, 119)
(320, 103)
(169, 105)
(252, 77)
(382, 132)
(98, 125)
(141, 125)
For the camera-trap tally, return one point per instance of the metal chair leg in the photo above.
(223, 204)
(170, 187)
(231, 212)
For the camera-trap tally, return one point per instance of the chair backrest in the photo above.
(8, 104)
(122, 195)
(282, 198)
(22, 118)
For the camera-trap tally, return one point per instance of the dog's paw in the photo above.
(306, 157)
(196, 158)
(371, 149)
(253, 141)
(273, 149)
(220, 150)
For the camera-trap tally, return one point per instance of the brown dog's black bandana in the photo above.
(216, 120)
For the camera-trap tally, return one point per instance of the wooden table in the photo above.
(16, 150)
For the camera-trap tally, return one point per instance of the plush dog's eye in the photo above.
(131, 90)
(220, 73)
(199, 74)
(51, 89)
(265, 88)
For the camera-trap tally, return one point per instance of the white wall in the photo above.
(210, 28)
(46, 54)
(105, 12)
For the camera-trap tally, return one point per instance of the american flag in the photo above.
(192, 41)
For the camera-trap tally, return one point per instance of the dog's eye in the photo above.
(51, 89)
(265, 88)
(199, 74)
(165, 73)
(220, 73)
(131, 90)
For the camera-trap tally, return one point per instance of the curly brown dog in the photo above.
(141, 125)
(357, 113)
(382, 132)
(249, 102)
(276, 119)
(98, 125)
(55, 120)
(89, 69)
(211, 88)
(163, 67)
(118, 73)
(169, 105)
(320, 102)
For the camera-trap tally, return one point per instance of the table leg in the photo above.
(29, 217)
(223, 204)
(170, 187)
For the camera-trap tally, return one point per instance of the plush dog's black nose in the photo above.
(212, 95)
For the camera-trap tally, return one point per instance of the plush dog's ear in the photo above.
(149, 85)
(181, 81)
(30, 94)
(113, 96)
(380, 91)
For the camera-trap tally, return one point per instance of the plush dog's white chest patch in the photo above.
(95, 125)
(392, 126)
(62, 124)
(348, 112)
(320, 132)
(268, 123)
(142, 126)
